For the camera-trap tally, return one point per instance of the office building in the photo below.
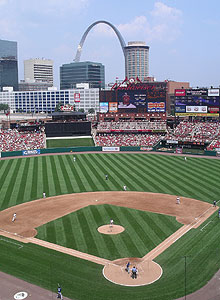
(136, 60)
(46, 101)
(82, 72)
(39, 70)
(8, 64)
(33, 85)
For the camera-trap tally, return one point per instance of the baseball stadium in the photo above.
(130, 185)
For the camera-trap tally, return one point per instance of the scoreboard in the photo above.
(197, 102)
(135, 98)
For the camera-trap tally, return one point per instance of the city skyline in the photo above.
(182, 36)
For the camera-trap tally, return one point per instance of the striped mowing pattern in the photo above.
(79, 231)
(26, 179)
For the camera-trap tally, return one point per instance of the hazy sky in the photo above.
(183, 35)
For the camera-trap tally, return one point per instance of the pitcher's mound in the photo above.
(148, 272)
(114, 229)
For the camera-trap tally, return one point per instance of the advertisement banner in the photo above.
(156, 107)
(77, 97)
(196, 114)
(197, 92)
(213, 92)
(172, 142)
(179, 150)
(180, 92)
(31, 152)
(196, 109)
(113, 107)
(180, 109)
(103, 107)
(213, 110)
(110, 148)
(146, 148)
(67, 107)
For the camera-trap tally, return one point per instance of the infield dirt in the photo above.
(31, 215)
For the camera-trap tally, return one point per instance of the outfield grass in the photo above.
(25, 179)
(76, 142)
(78, 230)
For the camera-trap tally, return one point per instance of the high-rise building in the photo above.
(8, 64)
(136, 60)
(82, 72)
(39, 70)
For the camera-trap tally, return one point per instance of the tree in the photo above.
(58, 107)
(4, 107)
(91, 111)
(81, 110)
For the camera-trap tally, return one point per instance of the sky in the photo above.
(183, 35)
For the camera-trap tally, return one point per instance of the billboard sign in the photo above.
(103, 107)
(31, 152)
(156, 107)
(180, 92)
(180, 108)
(77, 97)
(213, 92)
(196, 92)
(110, 149)
(67, 107)
(213, 110)
(196, 109)
(113, 107)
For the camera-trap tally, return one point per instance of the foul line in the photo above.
(19, 245)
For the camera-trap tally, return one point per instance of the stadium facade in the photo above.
(8, 64)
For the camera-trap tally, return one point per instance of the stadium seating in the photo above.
(13, 140)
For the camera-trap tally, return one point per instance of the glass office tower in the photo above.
(82, 72)
(8, 64)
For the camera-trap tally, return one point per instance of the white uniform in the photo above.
(178, 200)
(111, 223)
(185, 158)
(14, 217)
(74, 159)
(125, 188)
(44, 195)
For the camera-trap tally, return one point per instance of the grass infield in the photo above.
(26, 179)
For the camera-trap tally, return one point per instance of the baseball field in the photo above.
(187, 264)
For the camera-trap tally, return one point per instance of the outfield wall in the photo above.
(28, 153)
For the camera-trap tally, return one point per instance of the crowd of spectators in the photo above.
(131, 126)
(117, 139)
(13, 140)
(203, 132)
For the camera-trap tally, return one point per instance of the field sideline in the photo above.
(25, 179)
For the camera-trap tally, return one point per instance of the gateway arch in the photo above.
(79, 48)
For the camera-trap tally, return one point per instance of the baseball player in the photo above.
(44, 195)
(106, 177)
(127, 269)
(134, 272)
(125, 188)
(59, 294)
(219, 213)
(111, 223)
(74, 158)
(14, 217)
(178, 200)
(185, 158)
(214, 203)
